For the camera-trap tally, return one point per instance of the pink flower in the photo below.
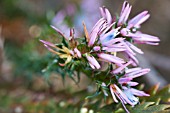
(113, 91)
(146, 39)
(132, 69)
(110, 58)
(140, 38)
(77, 52)
(125, 98)
(109, 36)
(128, 49)
(131, 97)
(132, 83)
(96, 48)
(93, 62)
(124, 13)
(111, 43)
(107, 28)
(127, 81)
(118, 70)
(95, 31)
(138, 20)
(106, 14)
(133, 47)
(114, 45)
(124, 80)
(126, 95)
(138, 93)
(48, 43)
(129, 56)
(134, 22)
(136, 72)
(114, 49)
(135, 91)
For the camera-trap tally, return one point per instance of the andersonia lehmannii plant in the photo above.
(107, 53)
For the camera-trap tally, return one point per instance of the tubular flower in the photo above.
(140, 38)
(135, 72)
(106, 14)
(124, 13)
(138, 20)
(118, 70)
(96, 31)
(124, 96)
(77, 52)
(106, 38)
(111, 58)
(92, 62)
(96, 48)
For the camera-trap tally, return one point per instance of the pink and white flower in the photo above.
(99, 26)
(106, 14)
(93, 62)
(78, 53)
(110, 58)
(124, 13)
(138, 20)
(140, 38)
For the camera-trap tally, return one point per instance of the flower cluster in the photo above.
(111, 44)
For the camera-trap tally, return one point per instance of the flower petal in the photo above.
(77, 52)
(138, 93)
(111, 58)
(113, 95)
(93, 61)
(118, 70)
(95, 31)
(60, 32)
(139, 19)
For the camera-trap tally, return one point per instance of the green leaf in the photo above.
(149, 107)
(92, 96)
(163, 95)
(64, 42)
